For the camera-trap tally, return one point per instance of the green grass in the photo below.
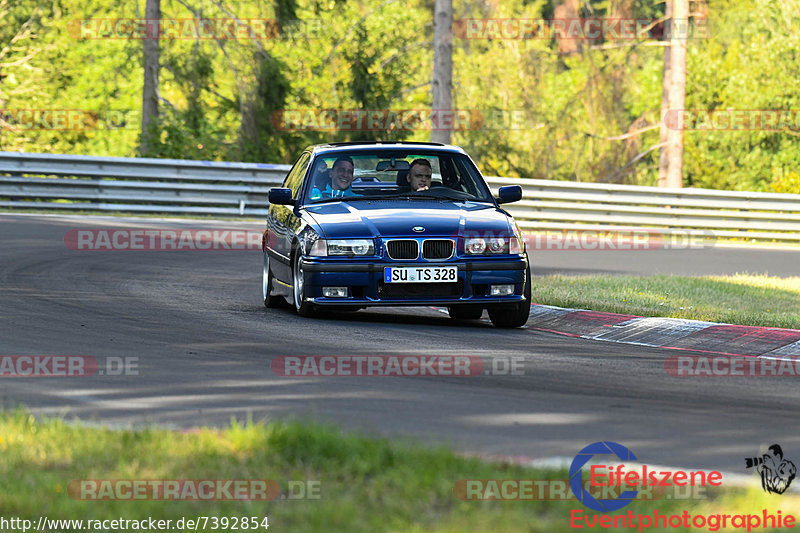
(365, 484)
(751, 300)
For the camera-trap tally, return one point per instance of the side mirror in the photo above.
(509, 193)
(281, 196)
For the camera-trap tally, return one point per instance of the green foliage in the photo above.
(191, 131)
(571, 103)
(788, 182)
(533, 112)
(100, 77)
(746, 65)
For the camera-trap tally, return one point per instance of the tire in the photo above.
(270, 301)
(303, 308)
(514, 315)
(465, 312)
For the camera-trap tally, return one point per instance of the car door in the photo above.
(283, 223)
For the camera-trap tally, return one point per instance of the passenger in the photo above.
(341, 175)
(419, 175)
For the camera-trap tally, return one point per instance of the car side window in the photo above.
(294, 180)
(461, 178)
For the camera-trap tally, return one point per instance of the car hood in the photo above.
(396, 218)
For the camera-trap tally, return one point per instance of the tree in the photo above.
(259, 138)
(567, 10)
(442, 85)
(150, 48)
(670, 167)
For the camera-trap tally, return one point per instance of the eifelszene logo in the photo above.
(776, 472)
(576, 476)
(622, 476)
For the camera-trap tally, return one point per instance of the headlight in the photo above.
(349, 247)
(496, 246)
(491, 245)
(475, 245)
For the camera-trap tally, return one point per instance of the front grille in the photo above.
(389, 291)
(437, 249)
(402, 249)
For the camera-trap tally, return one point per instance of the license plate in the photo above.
(420, 274)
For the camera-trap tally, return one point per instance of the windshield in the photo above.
(411, 174)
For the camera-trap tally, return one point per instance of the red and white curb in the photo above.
(669, 333)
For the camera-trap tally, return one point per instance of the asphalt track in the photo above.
(204, 344)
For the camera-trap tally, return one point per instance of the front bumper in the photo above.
(366, 287)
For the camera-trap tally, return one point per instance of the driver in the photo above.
(419, 175)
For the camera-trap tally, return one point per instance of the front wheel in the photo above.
(514, 315)
(302, 307)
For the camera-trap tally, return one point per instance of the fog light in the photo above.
(334, 292)
(501, 290)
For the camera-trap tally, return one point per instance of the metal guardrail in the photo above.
(559, 205)
(134, 185)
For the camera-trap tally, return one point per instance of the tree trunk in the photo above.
(622, 9)
(442, 84)
(152, 15)
(670, 167)
(567, 11)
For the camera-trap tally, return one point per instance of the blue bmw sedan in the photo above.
(394, 224)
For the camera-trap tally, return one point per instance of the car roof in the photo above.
(336, 147)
